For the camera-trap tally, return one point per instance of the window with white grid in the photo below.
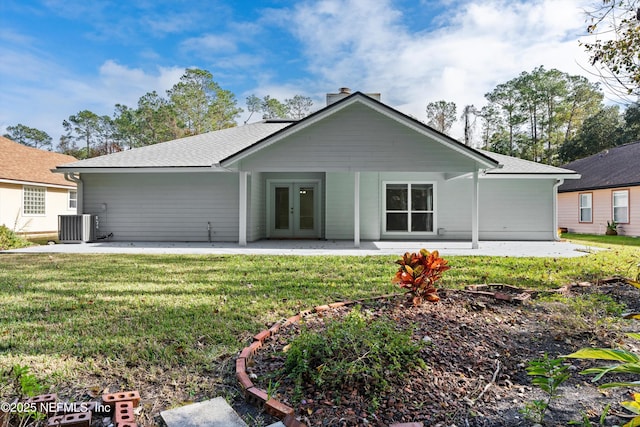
(621, 206)
(73, 199)
(33, 200)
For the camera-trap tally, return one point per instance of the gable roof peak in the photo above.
(345, 92)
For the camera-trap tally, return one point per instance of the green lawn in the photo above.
(602, 239)
(169, 326)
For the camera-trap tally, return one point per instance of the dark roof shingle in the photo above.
(615, 167)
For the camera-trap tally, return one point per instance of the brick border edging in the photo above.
(258, 397)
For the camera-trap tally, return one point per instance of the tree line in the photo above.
(549, 116)
(544, 115)
(194, 105)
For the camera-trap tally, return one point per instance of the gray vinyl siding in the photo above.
(454, 209)
(339, 207)
(370, 218)
(509, 209)
(340, 193)
(516, 209)
(357, 138)
(164, 207)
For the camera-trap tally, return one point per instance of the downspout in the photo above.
(72, 177)
(556, 235)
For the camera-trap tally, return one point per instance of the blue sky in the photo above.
(58, 57)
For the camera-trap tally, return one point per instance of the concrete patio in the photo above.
(323, 247)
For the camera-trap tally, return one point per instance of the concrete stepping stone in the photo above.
(210, 413)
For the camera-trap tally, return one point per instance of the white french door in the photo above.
(294, 210)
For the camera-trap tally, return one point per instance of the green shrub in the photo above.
(10, 240)
(356, 352)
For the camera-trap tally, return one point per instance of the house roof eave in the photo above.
(600, 187)
(537, 175)
(37, 184)
(140, 169)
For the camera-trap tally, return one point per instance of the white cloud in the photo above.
(127, 85)
(366, 46)
(362, 44)
(39, 89)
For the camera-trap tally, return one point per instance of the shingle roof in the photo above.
(21, 163)
(615, 167)
(210, 149)
(514, 165)
(204, 150)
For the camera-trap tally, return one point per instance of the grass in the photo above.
(602, 239)
(168, 325)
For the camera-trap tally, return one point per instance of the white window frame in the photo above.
(34, 197)
(384, 211)
(581, 208)
(73, 200)
(613, 206)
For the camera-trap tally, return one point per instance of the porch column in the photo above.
(356, 209)
(474, 211)
(242, 223)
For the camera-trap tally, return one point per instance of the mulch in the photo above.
(478, 349)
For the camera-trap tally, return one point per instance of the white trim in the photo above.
(143, 169)
(404, 234)
(242, 223)
(580, 207)
(541, 175)
(613, 205)
(35, 184)
(69, 208)
(79, 189)
(318, 208)
(449, 176)
(356, 209)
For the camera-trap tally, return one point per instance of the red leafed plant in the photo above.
(419, 272)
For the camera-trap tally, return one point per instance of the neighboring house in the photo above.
(356, 169)
(609, 190)
(31, 196)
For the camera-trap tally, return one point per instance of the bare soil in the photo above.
(478, 349)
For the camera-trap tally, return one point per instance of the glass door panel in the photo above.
(282, 208)
(294, 210)
(306, 212)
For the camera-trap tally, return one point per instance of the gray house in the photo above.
(356, 169)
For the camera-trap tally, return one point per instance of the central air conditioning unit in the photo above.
(76, 228)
